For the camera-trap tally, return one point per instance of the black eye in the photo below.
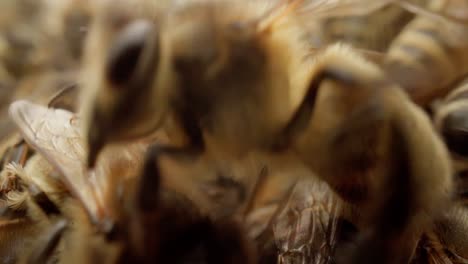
(455, 132)
(126, 52)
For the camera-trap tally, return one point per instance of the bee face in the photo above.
(123, 89)
(209, 63)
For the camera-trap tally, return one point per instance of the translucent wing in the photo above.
(53, 133)
(326, 8)
(306, 231)
(449, 10)
(56, 134)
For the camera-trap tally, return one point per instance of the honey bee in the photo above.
(430, 55)
(70, 19)
(127, 218)
(232, 81)
(20, 36)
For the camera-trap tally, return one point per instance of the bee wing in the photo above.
(55, 133)
(452, 10)
(326, 8)
(307, 228)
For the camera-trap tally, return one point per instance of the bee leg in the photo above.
(150, 202)
(13, 167)
(370, 142)
(47, 243)
(395, 212)
(41, 201)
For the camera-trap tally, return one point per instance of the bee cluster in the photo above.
(233, 131)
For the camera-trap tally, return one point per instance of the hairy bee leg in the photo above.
(8, 178)
(47, 243)
(148, 198)
(396, 214)
(144, 225)
(13, 167)
(15, 171)
(374, 127)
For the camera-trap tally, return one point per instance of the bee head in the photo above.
(122, 106)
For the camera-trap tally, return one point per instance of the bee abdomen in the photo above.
(426, 58)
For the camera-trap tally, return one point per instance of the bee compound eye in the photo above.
(455, 132)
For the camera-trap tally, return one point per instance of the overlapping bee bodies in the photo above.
(224, 79)
(160, 38)
(232, 81)
(114, 215)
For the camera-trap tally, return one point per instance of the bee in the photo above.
(232, 81)
(69, 19)
(430, 55)
(127, 217)
(21, 36)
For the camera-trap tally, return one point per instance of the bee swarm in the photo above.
(238, 166)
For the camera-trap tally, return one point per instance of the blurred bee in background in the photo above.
(430, 55)
(20, 36)
(70, 19)
(40, 49)
(215, 73)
